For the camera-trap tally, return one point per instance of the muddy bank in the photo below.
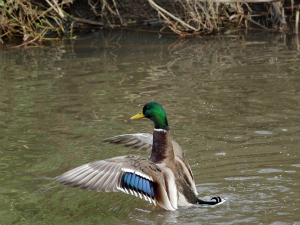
(35, 21)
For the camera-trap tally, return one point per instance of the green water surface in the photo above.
(232, 103)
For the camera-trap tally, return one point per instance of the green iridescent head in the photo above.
(155, 112)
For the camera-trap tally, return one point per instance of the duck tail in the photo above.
(213, 201)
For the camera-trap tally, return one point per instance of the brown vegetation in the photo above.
(34, 20)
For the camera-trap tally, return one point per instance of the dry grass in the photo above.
(22, 18)
(184, 17)
(32, 20)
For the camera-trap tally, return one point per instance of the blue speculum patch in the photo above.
(137, 183)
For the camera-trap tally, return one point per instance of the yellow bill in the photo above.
(138, 116)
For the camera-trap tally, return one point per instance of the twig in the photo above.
(279, 12)
(88, 21)
(297, 22)
(117, 11)
(256, 23)
(33, 40)
(158, 8)
(60, 12)
(249, 8)
(292, 7)
(57, 9)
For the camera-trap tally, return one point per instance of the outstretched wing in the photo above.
(145, 141)
(130, 174)
(139, 140)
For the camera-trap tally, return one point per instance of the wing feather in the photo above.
(140, 140)
(130, 174)
(145, 141)
(111, 186)
(107, 178)
(108, 175)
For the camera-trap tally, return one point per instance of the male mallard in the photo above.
(165, 178)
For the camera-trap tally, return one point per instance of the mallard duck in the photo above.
(165, 179)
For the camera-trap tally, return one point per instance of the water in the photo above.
(232, 102)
